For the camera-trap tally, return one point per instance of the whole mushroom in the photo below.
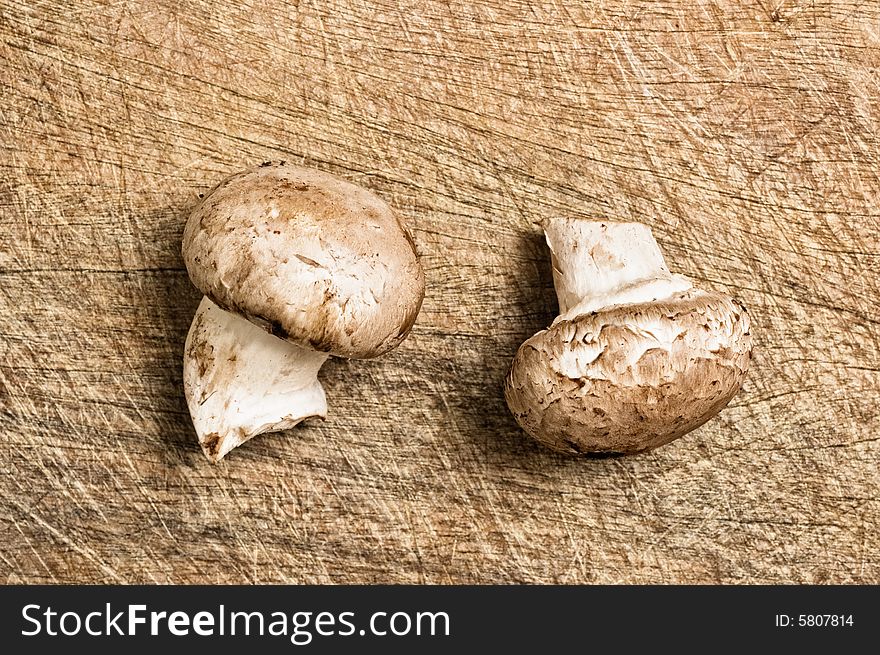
(296, 265)
(636, 358)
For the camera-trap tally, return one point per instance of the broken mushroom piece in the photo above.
(636, 358)
(296, 265)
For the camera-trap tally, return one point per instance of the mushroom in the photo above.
(637, 357)
(295, 265)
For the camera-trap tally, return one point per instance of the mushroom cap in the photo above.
(311, 258)
(630, 377)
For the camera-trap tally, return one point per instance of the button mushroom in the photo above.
(296, 265)
(636, 358)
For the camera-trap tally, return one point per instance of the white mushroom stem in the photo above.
(598, 264)
(241, 381)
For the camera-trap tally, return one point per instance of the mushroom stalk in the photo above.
(600, 264)
(241, 381)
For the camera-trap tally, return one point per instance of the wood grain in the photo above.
(745, 133)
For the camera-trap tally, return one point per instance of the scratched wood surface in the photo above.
(745, 133)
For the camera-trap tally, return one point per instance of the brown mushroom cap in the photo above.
(630, 377)
(309, 257)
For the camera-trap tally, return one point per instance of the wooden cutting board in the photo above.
(744, 133)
